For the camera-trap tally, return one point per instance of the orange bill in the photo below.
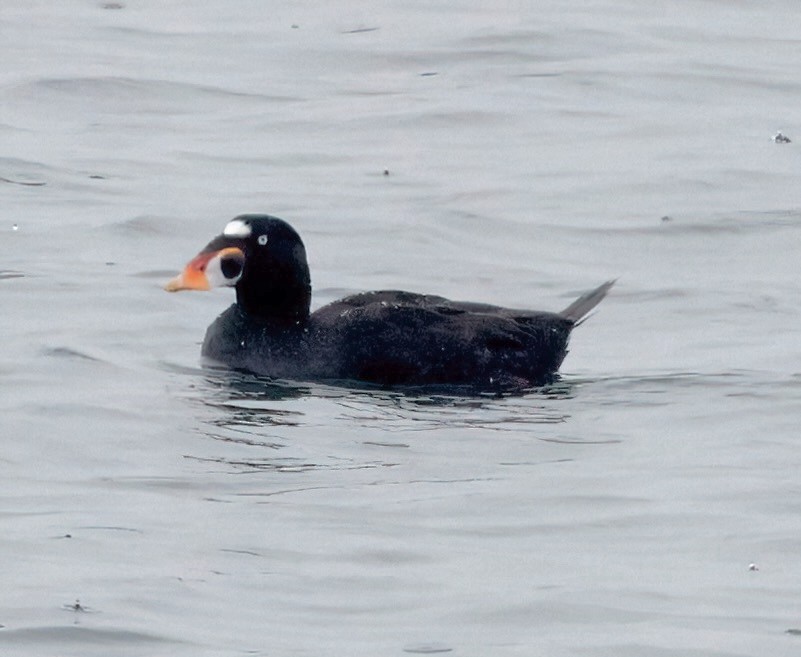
(193, 277)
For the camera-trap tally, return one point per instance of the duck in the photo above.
(390, 338)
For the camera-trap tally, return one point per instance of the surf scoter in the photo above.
(387, 337)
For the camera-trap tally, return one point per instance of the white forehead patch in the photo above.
(237, 228)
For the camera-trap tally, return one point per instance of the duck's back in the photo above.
(392, 337)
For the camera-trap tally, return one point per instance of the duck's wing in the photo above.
(415, 339)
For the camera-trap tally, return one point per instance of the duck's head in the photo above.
(264, 259)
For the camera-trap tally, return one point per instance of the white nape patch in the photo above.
(237, 228)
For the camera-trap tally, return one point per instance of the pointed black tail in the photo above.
(577, 311)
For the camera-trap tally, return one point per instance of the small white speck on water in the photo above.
(15, 227)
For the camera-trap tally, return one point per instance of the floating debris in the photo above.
(780, 138)
(76, 607)
(386, 172)
(667, 218)
(15, 227)
(753, 566)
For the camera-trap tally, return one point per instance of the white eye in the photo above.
(237, 228)
(262, 240)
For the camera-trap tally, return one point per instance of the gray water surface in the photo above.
(647, 505)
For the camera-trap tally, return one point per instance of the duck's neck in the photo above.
(276, 289)
(281, 307)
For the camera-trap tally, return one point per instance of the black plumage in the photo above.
(385, 337)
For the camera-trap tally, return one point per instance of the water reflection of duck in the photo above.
(385, 337)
